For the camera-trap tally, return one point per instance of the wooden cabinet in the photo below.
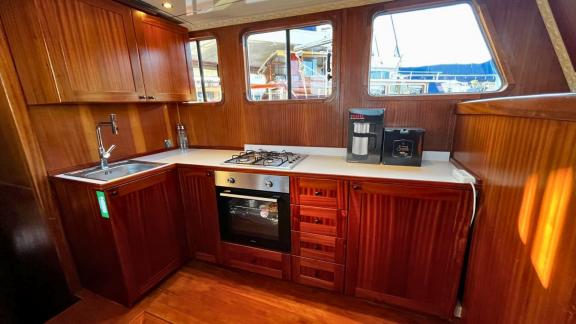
(323, 221)
(406, 244)
(164, 56)
(316, 273)
(146, 217)
(201, 213)
(325, 193)
(124, 253)
(319, 223)
(265, 262)
(68, 51)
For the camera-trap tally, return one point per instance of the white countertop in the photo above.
(437, 171)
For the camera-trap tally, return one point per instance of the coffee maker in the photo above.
(365, 128)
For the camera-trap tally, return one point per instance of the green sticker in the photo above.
(102, 202)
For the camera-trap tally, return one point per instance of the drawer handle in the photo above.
(114, 193)
(317, 193)
(151, 97)
(356, 187)
(142, 97)
(316, 220)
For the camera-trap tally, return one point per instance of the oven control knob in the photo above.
(268, 183)
(231, 180)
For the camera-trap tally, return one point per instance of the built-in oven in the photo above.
(254, 209)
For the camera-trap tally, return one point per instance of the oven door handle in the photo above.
(230, 195)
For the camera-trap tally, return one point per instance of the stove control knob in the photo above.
(231, 180)
(269, 184)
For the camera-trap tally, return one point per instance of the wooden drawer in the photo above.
(322, 221)
(319, 247)
(318, 273)
(319, 192)
(269, 263)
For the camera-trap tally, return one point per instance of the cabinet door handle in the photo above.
(114, 193)
(151, 97)
(142, 97)
(317, 193)
(316, 220)
(356, 187)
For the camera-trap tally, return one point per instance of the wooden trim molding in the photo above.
(554, 106)
(558, 43)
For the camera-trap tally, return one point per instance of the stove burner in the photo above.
(282, 160)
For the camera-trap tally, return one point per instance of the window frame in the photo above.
(219, 69)
(287, 28)
(486, 28)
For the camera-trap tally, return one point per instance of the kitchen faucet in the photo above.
(102, 152)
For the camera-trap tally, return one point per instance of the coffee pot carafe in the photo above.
(365, 135)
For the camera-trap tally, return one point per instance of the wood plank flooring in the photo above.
(203, 293)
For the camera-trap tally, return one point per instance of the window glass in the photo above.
(308, 75)
(431, 51)
(205, 70)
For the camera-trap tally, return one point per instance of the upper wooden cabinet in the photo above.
(69, 51)
(164, 57)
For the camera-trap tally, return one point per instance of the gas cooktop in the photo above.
(269, 159)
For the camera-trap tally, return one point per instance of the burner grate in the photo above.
(281, 159)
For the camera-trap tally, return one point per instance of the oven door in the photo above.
(256, 218)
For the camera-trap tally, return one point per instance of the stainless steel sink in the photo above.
(115, 170)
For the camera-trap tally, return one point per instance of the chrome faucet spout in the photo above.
(102, 152)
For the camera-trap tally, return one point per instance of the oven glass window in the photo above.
(253, 218)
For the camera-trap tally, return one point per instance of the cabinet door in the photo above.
(95, 51)
(74, 50)
(201, 213)
(145, 221)
(164, 56)
(406, 245)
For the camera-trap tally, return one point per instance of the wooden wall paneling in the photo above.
(516, 274)
(67, 134)
(164, 56)
(527, 48)
(564, 12)
(30, 229)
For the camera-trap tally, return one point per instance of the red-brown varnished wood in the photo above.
(203, 293)
(521, 266)
(406, 245)
(322, 221)
(319, 247)
(556, 107)
(142, 241)
(164, 56)
(325, 193)
(67, 136)
(91, 241)
(200, 213)
(265, 262)
(316, 273)
(145, 217)
(87, 50)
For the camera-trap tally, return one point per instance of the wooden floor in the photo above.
(203, 293)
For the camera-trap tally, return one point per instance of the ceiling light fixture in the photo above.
(167, 5)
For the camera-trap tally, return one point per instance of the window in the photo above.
(205, 70)
(436, 50)
(308, 73)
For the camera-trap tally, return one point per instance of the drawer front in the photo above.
(269, 263)
(318, 273)
(319, 247)
(323, 221)
(320, 193)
